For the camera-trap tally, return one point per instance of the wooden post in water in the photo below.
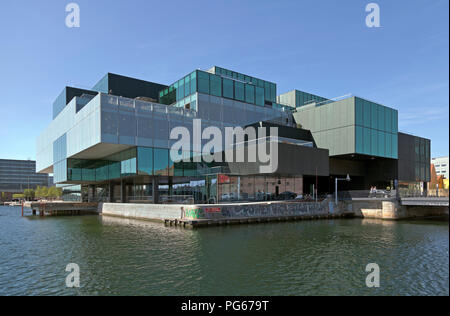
(22, 208)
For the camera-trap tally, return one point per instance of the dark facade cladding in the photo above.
(111, 143)
(287, 132)
(110, 84)
(413, 158)
(292, 160)
(365, 172)
(18, 175)
(128, 87)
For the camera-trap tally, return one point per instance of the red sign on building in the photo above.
(213, 210)
(223, 178)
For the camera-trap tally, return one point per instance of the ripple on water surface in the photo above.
(129, 257)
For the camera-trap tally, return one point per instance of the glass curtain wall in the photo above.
(422, 159)
(183, 92)
(256, 188)
(376, 129)
(268, 89)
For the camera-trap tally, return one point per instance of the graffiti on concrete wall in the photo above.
(194, 213)
(259, 210)
(276, 209)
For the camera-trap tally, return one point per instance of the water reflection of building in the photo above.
(112, 142)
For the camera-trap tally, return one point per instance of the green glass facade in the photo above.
(236, 87)
(142, 161)
(270, 89)
(181, 92)
(376, 131)
(297, 98)
(352, 126)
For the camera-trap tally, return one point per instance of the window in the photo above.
(250, 94)
(203, 82)
(359, 112)
(388, 124)
(381, 118)
(395, 146)
(374, 142)
(374, 115)
(367, 146)
(215, 85)
(267, 91)
(395, 121)
(193, 82)
(145, 161)
(161, 161)
(366, 114)
(128, 162)
(381, 144)
(114, 170)
(259, 96)
(74, 170)
(176, 167)
(101, 173)
(187, 86)
(180, 91)
(239, 91)
(388, 145)
(422, 150)
(189, 167)
(273, 92)
(359, 139)
(228, 88)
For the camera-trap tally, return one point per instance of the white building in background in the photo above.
(441, 166)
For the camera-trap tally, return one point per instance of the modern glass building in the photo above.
(112, 143)
(18, 175)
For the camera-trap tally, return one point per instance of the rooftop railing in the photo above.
(146, 106)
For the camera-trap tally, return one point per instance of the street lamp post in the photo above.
(336, 186)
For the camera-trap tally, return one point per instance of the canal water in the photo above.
(128, 257)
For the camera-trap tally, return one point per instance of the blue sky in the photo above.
(322, 47)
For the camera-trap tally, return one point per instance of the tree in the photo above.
(52, 193)
(433, 178)
(38, 192)
(44, 192)
(41, 192)
(29, 194)
(3, 196)
(59, 192)
(18, 196)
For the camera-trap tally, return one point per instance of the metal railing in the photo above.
(365, 194)
(176, 199)
(389, 194)
(410, 193)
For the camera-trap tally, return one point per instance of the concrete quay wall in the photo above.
(387, 209)
(158, 212)
(391, 209)
(219, 211)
